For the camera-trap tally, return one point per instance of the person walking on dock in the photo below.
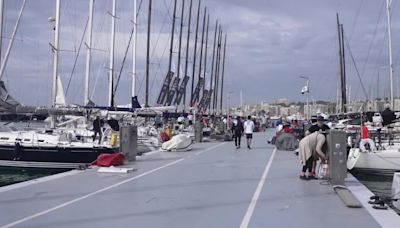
(248, 130)
(237, 132)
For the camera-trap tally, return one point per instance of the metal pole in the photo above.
(55, 56)
(1, 25)
(55, 60)
(171, 48)
(223, 72)
(134, 48)
(390, 53)
(146, 102)
(344, 70)
(213, 62)
(187, 51)
(88, 54)
(4, 63)
(180, 39)
(340, 62)
(227, 110)
(202, 44)
(205, 54)
(308, 99)
(194, 53)
(216, 86)
(111, 68)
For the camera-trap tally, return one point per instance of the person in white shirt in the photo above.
(190, 118)
(181, 119)
(248, 130)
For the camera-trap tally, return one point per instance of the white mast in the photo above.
(55, 50)
(111, 70)
(134, 50)
(4, 63)
(1, 24)
(388, 3)
(88, 54)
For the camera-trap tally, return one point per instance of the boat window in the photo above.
(40, 140)
(4, 138)
(18, 139)
(27, 140)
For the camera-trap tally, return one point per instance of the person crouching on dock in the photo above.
(311, 147)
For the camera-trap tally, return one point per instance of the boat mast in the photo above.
(388, 3)
(223, 72)
(1, 24)
(171, 49)
(202, 44)
(88, 54)
(216, 84)
(205, 54)
(213, 62)
(134, 49)
(194, 53)
(4, 63)
(341, 64)
(55, 50)
(187, 51)
(180, 40)
(146, 102)
(111, 69)
(344, 69)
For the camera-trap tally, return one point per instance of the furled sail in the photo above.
(7, 102)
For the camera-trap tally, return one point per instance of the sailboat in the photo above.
(387, 156)
(56, 147)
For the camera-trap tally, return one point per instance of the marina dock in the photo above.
(213, 185)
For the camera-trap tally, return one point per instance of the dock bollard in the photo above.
(128, 142)
(337, 151)
(198, 132)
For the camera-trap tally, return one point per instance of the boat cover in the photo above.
(286, 141)
(178, 142)
(107, 160)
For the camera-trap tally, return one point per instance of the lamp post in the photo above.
(228, 108)
(307, 90)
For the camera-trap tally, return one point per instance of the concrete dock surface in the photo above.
(213, 185)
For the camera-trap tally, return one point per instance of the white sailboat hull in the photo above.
(379, 160)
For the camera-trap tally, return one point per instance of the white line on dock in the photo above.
(213, 147)
(99, 191)
(252, 205)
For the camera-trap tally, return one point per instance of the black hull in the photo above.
(42, 157)
(22, 117)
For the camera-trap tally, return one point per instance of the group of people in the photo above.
(239, 128)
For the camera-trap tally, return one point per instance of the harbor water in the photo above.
(380, 183)
(16, 175)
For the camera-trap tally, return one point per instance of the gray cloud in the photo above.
(270, 44)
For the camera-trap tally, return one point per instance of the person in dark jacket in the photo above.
(318, 126)
(387, 116)
(97, 125)
(238, 130)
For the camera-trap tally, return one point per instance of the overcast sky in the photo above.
(270, 44)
